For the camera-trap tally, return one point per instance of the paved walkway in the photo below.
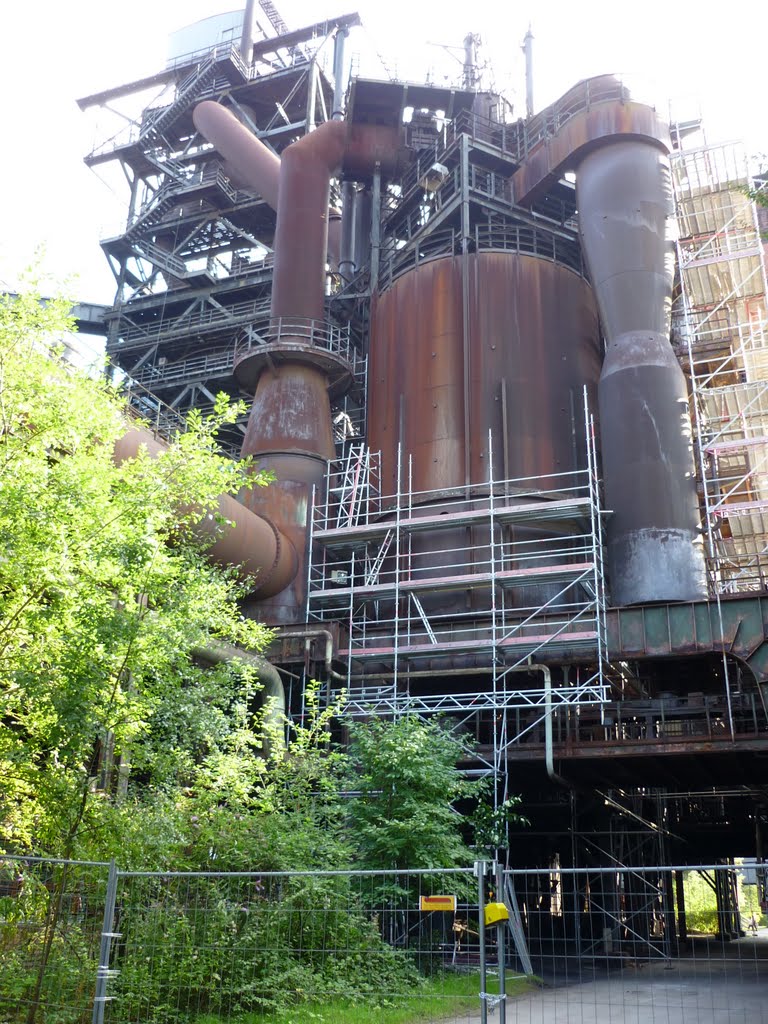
(648, 1000)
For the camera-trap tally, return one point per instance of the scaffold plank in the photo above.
(586, 639)
(504, 578)
(568, 508)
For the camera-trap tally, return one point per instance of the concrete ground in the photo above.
(711, 984)
(647, 1000)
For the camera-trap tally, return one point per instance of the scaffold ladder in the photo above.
(372, 576)
(355, 485)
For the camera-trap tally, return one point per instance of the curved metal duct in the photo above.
(655, 550)
(619, 148)
(251, 163)
(290, 428)
(240, 537)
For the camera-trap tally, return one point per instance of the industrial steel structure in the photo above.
(452, 325)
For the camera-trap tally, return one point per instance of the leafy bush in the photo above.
(225, 946)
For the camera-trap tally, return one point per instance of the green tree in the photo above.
(104, 595)
(407, 777)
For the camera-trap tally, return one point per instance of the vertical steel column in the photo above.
(246, 39)
(375, 228)
(396, 612)
(465, 328)
(528, 51)
(311, 111)
(107, 934)
(339, 85)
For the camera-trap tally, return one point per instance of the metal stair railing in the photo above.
(188, 91)
(160, 258)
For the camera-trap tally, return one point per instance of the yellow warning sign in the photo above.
(438, 903)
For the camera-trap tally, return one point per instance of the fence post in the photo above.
(107, 934)
(501, 946)
(480, 872)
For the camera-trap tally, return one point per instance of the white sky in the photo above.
(707, 58)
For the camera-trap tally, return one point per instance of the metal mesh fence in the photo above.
(51, 916)
(648, 944)
(241, 947)
(619, 945)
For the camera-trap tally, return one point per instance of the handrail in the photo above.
(517, 238)
(271, 332)
(518, 139)
(212, 174)
(198, 321)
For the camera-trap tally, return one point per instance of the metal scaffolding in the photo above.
(193, 262)
(719, 326)
(458, 603)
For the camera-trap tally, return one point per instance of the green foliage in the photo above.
(115, 741)
(407, 777)
(757, 194)
(492, 825)
(701, 903)
(282, 813)
(263, 946)
(104, 594)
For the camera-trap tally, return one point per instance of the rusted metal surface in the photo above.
(593, 124)
(302, 221)
(252, 163)
(290, 413)
(289, 428)
(533, 345)
(287, 501)
(655, 549)
(239, 537)
(290, 432)
(737, 625)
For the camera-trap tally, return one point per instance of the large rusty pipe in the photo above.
(249, 161)
(239, 537)
(301, 235)
(655, 550)
(290, 428)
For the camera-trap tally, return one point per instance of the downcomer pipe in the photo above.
(250, 162)
(290, 429)
(242, 537)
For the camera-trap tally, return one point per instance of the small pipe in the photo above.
(347, 267)
(548, 739)
(309, 632)
(339, 85)
(528, 51)
(219, 652)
